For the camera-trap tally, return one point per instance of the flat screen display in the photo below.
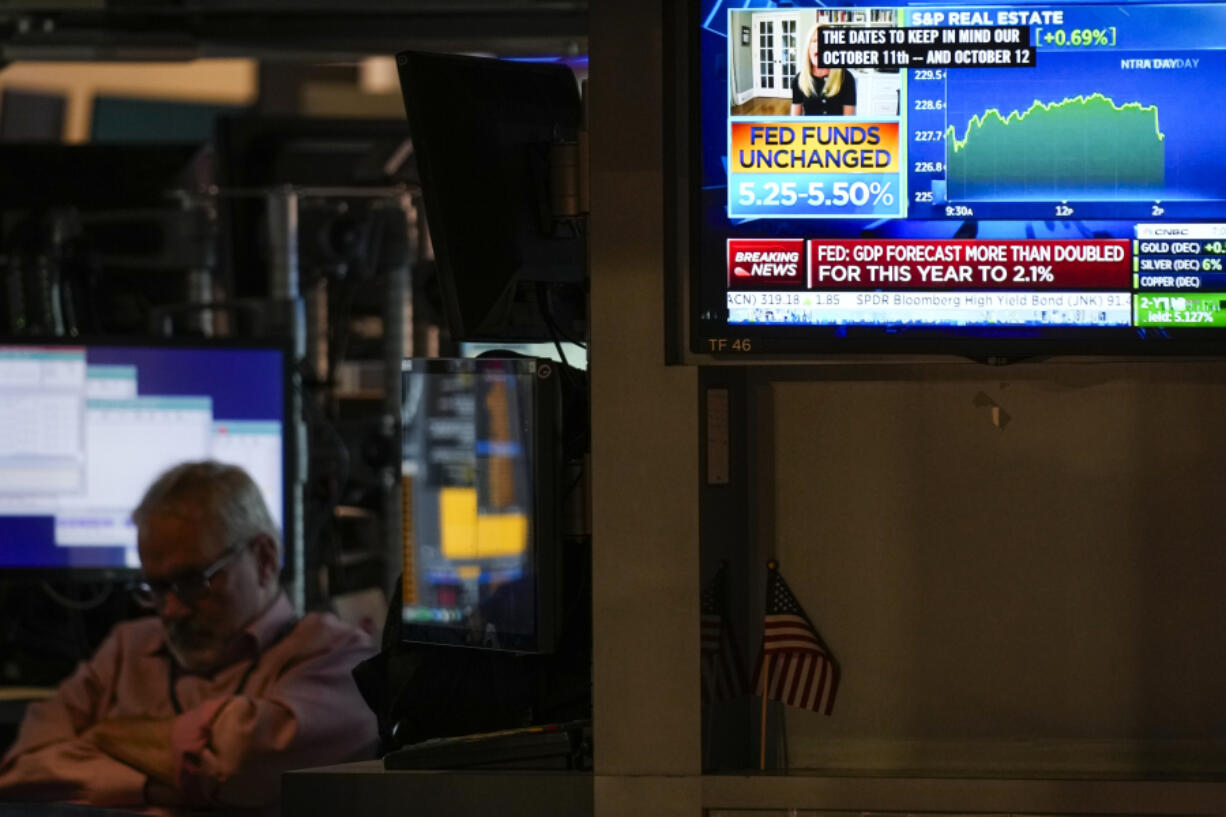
(979, 178)
(477, 490)
(85, 429)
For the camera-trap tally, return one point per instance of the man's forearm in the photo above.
(72, 770)
(145, 745)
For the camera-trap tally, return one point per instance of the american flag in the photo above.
(802, 670)
(723, 671)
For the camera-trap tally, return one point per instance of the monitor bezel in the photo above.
(289, 376)
(711, 339)
(546, 545)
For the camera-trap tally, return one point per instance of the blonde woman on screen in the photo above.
(821, 91)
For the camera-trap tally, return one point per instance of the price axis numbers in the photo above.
(925, 116)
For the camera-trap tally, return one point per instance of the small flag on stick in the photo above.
(794, 665)
(723, 670)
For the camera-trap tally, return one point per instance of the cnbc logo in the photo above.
(765, 262)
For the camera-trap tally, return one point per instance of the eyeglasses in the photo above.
(188, 588)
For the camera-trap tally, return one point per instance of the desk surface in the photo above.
(13, 701)
(24, 694)
(368, 789)
(57, 810)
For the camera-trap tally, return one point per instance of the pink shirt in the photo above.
(290, 705)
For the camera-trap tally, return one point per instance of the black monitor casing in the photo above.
(545, 559)
(482, 134)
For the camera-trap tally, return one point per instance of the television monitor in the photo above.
(483, 130)
(86, 427)
(982, 179)
(480, 471)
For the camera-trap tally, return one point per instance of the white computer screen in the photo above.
(85, 429)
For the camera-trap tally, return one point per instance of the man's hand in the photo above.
(140, 743)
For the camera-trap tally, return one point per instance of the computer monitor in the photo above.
(480, 471)
(86, 427)
(483, 131)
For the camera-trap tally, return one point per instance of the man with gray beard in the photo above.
(206, 704)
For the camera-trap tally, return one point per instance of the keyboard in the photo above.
(548, 747)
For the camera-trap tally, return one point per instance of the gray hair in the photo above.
(222, 496)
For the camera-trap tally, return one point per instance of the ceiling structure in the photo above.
(162, 30)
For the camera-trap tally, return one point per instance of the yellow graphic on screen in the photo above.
(468, 534)
(502, 478)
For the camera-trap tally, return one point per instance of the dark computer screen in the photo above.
(85, 428)
(483, 131)
(479, 465)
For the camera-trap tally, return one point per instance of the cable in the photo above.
(574, 483)
(547, 309)
(73, 604)
(557, 345)
(568, 374)
(542, 298)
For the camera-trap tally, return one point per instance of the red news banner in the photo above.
(941, 265)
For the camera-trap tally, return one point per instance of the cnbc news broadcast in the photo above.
(959, 177)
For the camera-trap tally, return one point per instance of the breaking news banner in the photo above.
(814, 168)
(940, 282)
(1098, 264)
(762, 263)
(841, 264)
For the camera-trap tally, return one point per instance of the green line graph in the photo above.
(1079, 146)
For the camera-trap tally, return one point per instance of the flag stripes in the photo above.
(802, 672)
(723, 672)
(722, 668)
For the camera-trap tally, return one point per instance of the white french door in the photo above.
(776, 54)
